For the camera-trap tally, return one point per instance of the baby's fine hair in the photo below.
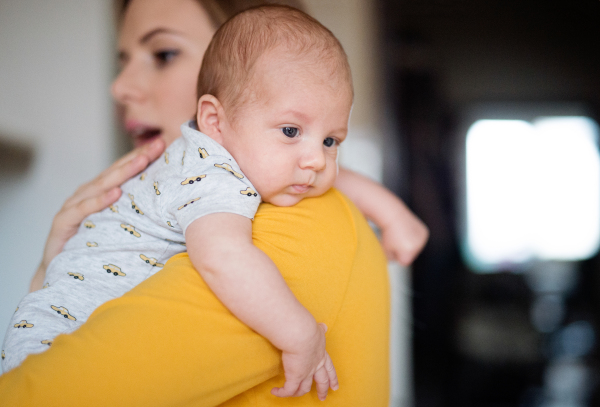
(237, 45)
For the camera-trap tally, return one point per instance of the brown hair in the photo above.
(220, 11)
(237, 45)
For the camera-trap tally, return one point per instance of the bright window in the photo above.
(533, 191)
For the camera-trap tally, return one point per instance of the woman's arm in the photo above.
(90, 198)
(170, 341)
(403, 234)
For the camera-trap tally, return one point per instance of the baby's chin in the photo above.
(284, 200)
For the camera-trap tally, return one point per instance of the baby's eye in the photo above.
(163, 57)
(328, 142)
(290, 131)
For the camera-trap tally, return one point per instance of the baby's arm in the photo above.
(403, 235)
(249, 284)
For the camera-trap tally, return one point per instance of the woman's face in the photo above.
(161, 45)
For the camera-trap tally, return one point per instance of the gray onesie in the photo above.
(119, 247)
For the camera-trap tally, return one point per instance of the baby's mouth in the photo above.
(300, 188)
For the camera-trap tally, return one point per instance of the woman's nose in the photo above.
(128, 85)
(313, 158)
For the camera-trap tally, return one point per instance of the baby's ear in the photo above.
(209, 117)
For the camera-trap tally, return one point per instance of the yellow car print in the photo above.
(167, 158)
(191, 180)
(134, 206)
(114, 208)
(130, 229)
(203, 153)
(77, 276)
(227, 167)
(249, 191)
(188, 203)
(151, 260)
(64, 312)
(23, 324)
(116, 270)
(45, 286)
(91, 244)
(156, 188)
(3, 355)
(88, 224)
(169, 223)
(143, 176)
(46, 342)
(183, 157)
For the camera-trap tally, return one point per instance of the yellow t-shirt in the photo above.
(170, 342)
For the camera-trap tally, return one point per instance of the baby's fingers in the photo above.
(331, 374)
(322, 382)
(289, 389)
(325, 378)
(293, 388)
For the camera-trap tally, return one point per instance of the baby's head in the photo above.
(276, 91)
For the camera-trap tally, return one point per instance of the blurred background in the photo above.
(482, 115)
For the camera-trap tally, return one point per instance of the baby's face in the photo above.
(286, 138)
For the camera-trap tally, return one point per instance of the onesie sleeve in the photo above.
(208, 180)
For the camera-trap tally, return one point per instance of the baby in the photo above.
(276, 98)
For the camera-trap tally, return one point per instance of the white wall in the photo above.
(55, 70)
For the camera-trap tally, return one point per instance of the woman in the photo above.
(161, 47)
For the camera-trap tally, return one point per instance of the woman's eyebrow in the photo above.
(148, 36)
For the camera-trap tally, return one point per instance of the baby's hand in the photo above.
(306, 365)
(404, 239)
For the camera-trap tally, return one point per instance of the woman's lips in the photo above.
(141, 133)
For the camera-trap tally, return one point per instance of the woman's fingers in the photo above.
(67, 221)
(96, 195)
(119, 172)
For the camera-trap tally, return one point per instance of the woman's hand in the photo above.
(93, 197)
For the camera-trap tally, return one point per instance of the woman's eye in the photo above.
(328, 142)
(163, 57)
(290, 131)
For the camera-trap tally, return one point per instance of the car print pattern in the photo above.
(23, 324)
(63, 311)
(116, 270)
(248, 191)
(130, 229)
(76, 276)
(188, 203)
(191, 180)
(228, 168)
(134, 206)
(151, 260)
